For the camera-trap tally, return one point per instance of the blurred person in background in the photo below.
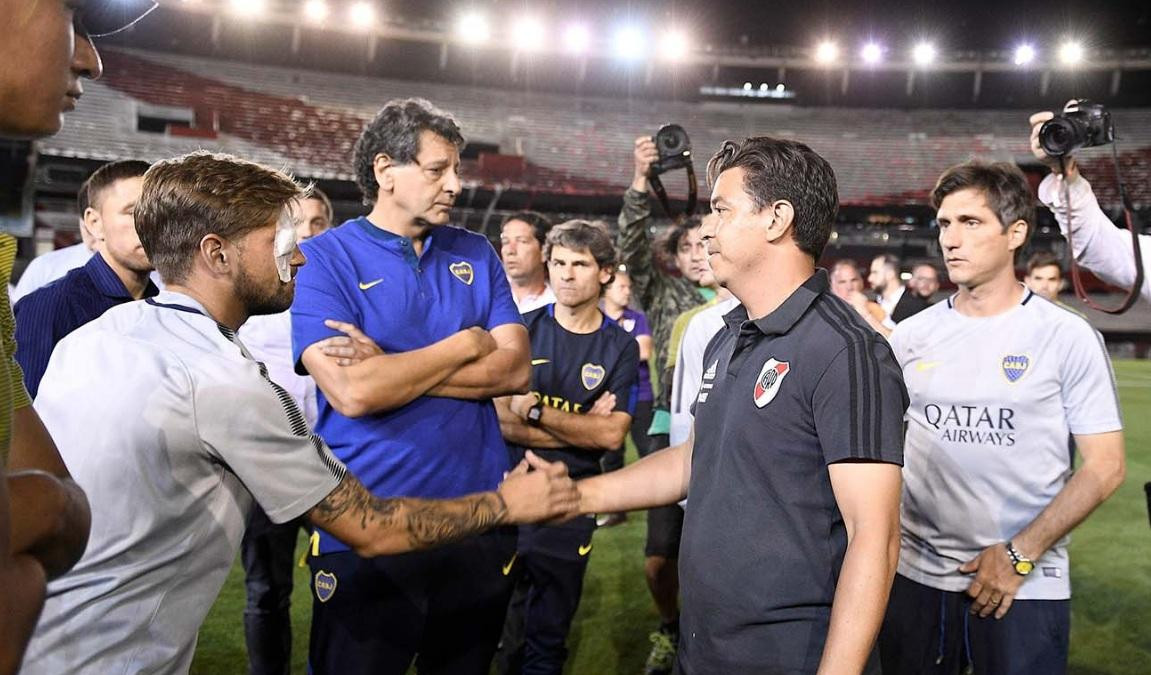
(522, 237)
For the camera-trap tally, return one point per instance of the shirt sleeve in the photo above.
(1098, 245)
(624, 381)
(318, 297)
(1090, 396)
(641, 325)
(503, 310)
(859, 403)
(37, 332)
(262, 437)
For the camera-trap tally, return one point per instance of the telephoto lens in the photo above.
(1082, 125)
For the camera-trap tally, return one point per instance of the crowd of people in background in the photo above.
(219, 367)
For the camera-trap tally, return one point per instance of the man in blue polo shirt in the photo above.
(118, 273)
(791, 532)
(420, 423)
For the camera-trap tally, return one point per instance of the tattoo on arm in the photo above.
(421, 522)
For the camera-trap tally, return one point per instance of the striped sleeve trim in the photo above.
(864, 389)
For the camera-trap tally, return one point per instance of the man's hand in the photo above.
(995, 584)
(604, 405)
(520, 403)
(349, 350)
(645, 155)
(1052, 163)
(539, 494)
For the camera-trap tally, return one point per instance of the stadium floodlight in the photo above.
(1071, 53)
(528, 34)
(316, 10)
(923, 54)
(362, 14)
(674, 45)
(248, 7)
(1024, 54)
(747, 86)
(472, 28)
(826, 52)
(577, 39)
(629, 43)
(872, 53)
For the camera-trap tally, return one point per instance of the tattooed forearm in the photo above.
(369, 523)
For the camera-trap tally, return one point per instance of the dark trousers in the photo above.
(549, 573)
(268, 552)
(443, 607)
(640, 422)
(931, 631)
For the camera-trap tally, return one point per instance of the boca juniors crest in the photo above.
(463, 271)
(1015, 366)
(767, 384)
(592, 375)
(325, 584)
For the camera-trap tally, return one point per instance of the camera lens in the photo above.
(1059, 136)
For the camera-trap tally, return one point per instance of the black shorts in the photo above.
(374, 615)
(927, 630)
(664, 523)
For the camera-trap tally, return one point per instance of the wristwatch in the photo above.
(1023, 566)
(534, 414)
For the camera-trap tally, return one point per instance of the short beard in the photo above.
(258, 302)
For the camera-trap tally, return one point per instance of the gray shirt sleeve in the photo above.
(1090, 397)
(255, 429)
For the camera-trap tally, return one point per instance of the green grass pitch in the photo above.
(1111, 577)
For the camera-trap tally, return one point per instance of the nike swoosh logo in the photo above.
(584, 550)
(540, 362)
(364, 287)
(508, 567)
(926, 365)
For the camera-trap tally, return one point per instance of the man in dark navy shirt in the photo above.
(118, 273)
(791, 532)
(584, 386)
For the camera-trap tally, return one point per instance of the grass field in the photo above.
(1111, 575)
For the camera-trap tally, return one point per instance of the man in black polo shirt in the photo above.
(584, 385)
(791, 533)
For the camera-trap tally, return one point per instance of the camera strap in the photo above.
(692, 194)
(1129, 217)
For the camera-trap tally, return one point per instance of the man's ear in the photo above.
(381, 167)
(93, 223)
(216, 254)
(1017, 234)
(781, 216)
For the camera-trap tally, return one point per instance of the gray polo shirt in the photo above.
(171, 428)
(782, 397)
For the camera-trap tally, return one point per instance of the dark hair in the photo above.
(780, 169)
(1003, 186)
(92, 192)
(930, 266)
(890, 261)
(583, 235)
(1044, 259)
(395, 132)
(318, 194)
(539, 222)
(678, 230)
(187, 198)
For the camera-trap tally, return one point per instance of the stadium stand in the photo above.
(308, 121)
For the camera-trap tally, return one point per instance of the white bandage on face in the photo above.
(285, 245)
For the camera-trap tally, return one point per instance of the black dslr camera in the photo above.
(674, 149)
(1083, 124)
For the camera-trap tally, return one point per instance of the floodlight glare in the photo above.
(316, 10)
(472, 28)
(362, 14)
(528, 34)
(747, 86)
(1024, 54)
(629, 43)
(249, 7)
(674, 45)
(826, 52)
(872, 53)
(577, 39)
(763, 86)
(923, 54)
(1071, 53)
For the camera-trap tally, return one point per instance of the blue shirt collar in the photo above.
(394, 242)
(106, 281)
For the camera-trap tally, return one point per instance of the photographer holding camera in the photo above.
(1097, 244)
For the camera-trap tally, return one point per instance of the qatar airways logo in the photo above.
(980, 424)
